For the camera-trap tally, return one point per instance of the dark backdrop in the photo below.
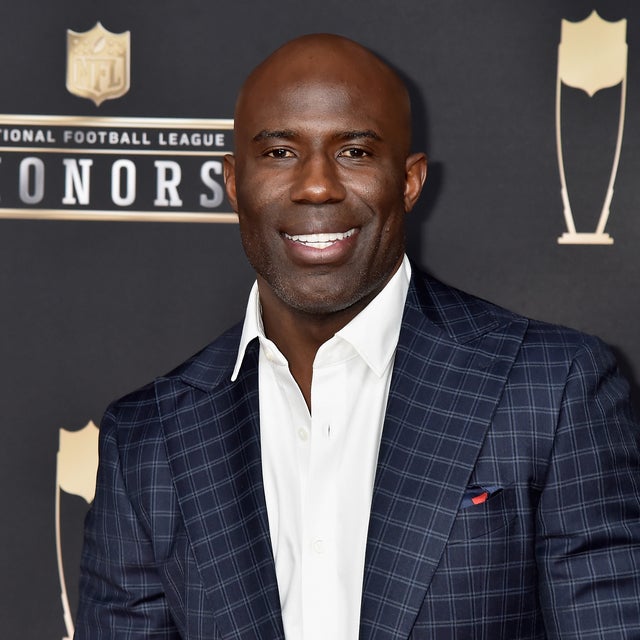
(90, 310)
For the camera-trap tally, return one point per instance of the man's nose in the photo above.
(318, 181)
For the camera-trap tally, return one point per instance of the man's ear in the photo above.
(415, 175)
(230, 180)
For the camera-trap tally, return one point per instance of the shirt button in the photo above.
(303, 434)
(318, 546)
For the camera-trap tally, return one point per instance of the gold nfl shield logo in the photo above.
(98, 64)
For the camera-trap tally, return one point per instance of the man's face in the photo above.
(321, 184)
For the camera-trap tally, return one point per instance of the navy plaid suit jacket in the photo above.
(177, 541)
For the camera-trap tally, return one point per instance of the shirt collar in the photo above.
(252, 328)
(373, 333)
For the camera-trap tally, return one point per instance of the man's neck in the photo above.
(298, 335)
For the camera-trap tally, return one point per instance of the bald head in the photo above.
(335, 62)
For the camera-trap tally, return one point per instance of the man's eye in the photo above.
(279, 153)
(354, 153)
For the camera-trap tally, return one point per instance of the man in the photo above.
(371, 454)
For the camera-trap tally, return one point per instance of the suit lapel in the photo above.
(450, 368)
(213, 444)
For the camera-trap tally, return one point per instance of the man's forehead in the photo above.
(332, 87)
(322, 77)
(319, 103)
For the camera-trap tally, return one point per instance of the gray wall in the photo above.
(90, 310)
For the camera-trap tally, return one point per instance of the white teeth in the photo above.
(320, 240)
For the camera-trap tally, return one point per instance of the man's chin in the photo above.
(318, 304)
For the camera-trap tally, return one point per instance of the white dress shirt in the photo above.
(319, 468)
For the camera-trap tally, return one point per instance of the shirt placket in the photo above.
(319, 531)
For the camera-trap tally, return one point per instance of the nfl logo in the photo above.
(98, 64)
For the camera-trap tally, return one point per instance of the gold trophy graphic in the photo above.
(76, 467)
(592, 55)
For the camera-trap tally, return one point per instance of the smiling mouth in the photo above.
(320, 240)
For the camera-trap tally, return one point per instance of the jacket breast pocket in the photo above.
(479, 520)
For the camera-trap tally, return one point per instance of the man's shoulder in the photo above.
(464, 316)
(202, 370)
(212, 363)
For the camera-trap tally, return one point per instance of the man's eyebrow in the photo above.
(354, 134)
(266, 134)
(288, 134)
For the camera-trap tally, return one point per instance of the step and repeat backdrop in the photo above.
(120, 256)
